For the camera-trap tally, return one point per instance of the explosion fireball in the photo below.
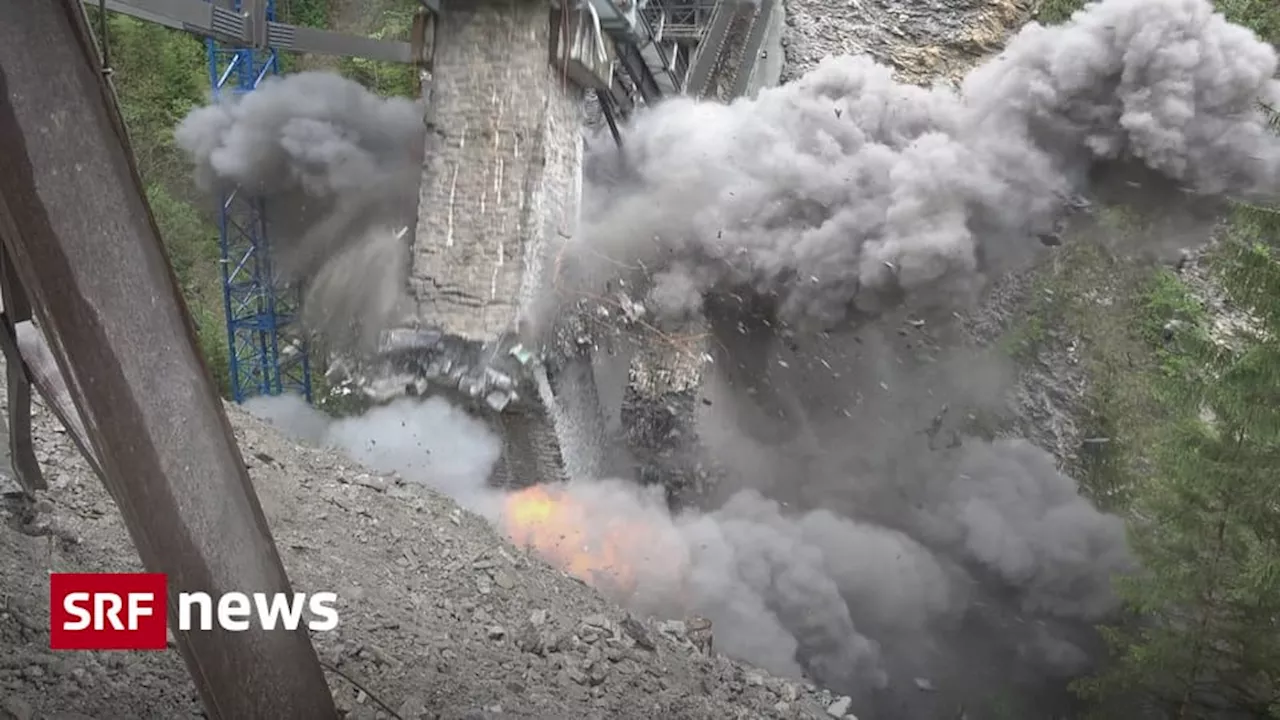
(602, 546)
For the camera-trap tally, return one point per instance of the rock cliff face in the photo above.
(923, 41)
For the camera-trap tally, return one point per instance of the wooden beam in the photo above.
(87, 250)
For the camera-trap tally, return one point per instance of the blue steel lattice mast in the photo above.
(263, 360)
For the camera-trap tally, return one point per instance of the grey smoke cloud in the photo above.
(338, 167)
(846, 193)
(846, 202)
(848, 544)
(425, 441)
(851, 602)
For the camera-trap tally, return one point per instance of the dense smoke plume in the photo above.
(863, 535)
(845, 192)
(339, 169)
(856, 604)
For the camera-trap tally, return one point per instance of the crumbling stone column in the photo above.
(501, 183)
(659, 411)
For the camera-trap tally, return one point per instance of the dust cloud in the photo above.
(338, 168)
(867, 532)
(829, 230)
(845, 194)
(425, 441)
(853, 603)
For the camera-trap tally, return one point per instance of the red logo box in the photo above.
(108, 611)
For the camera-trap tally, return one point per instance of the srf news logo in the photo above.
(129, 611)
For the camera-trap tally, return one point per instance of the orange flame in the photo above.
(566, 532)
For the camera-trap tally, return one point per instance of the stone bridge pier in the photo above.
(501, 191)
(501, 188)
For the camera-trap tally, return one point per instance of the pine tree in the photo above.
(1206, 633)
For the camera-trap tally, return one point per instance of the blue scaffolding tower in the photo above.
(263, 360)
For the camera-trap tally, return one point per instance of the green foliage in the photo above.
(1194, 422)
(1087, 299)
(1175, 325)
(160, 75)
(388, 79)
(192, 244)
(1023, 341)
(307, 13)
(1206, 528)
(304, 13)
(1206, 524)
(1261, 16)
(1052, 12)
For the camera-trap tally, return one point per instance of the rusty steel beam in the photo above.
(86, 248)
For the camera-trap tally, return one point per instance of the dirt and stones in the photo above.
(441, 618)
(921, 39)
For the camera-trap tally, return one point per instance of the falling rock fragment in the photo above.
(838, 708)
(503, 579)
(597, 673)
(577, 675)
(637, 632)
(673, 628)
(597, 620)
(810, 709)
(18, 708)
(532, 641)
(413, 708)
(535, 637)
(699, 632)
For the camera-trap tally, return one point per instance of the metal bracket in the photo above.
(255, 23)
(250, 28)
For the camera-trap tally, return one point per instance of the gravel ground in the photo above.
(921, 39)
(441, 618)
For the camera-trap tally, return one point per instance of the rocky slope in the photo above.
(441, 618)
(922, 40)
